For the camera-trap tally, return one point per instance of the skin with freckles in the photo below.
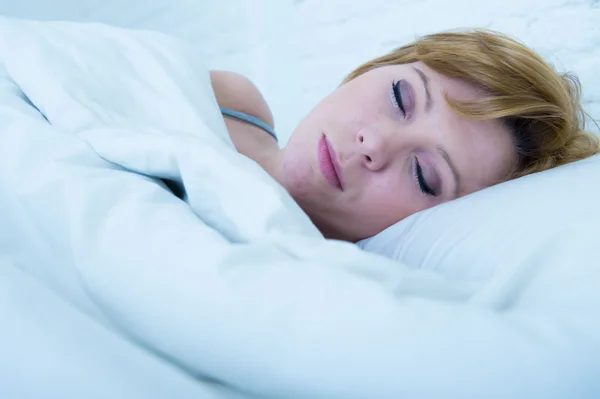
(399, 149)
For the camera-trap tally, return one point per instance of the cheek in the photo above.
(383, 203)
(346, 111)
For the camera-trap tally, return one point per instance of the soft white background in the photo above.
(297, 51)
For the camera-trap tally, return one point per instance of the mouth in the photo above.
(328, 163)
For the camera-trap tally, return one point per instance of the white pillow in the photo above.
(474, 236)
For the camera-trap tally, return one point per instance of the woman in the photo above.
(437, 119)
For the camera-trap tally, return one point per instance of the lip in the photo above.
(328, 163)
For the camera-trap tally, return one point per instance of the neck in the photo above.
(270, 159)
(263, 150)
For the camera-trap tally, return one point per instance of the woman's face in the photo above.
(386, 145)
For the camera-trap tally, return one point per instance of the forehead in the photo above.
(481, 149)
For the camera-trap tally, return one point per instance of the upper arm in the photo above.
(237, 92)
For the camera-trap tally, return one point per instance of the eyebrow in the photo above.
(425, 80)
(453, 169)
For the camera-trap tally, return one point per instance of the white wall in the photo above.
(298, 50)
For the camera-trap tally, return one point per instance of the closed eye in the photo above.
(397, 95)
(423, 185)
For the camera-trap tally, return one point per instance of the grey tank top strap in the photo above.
(249, 119)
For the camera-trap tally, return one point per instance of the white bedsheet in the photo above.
(234, 283)
(51, 350)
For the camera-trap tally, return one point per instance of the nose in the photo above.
(374, 150)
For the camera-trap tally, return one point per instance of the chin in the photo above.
(332, 233)
(328, 221)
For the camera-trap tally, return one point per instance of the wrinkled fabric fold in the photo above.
(233, 282)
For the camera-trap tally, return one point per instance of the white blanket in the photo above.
(233, 283)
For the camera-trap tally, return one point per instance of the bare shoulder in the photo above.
(237, 92)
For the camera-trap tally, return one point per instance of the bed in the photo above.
(114, 287)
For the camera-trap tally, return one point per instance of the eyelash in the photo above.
(398, 97)
(418, 172)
